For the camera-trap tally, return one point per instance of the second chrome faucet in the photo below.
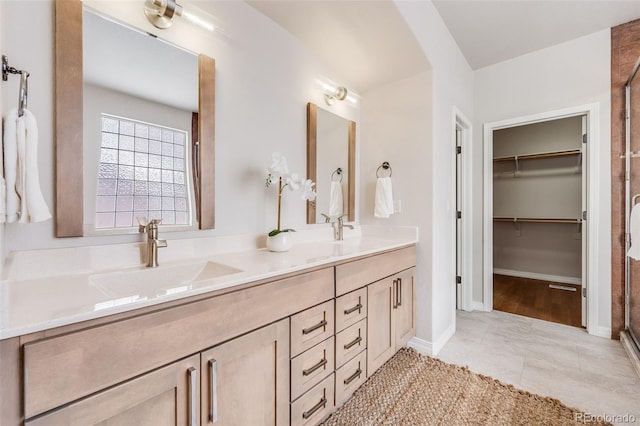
(153, 243)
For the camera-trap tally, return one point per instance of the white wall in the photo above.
(3, 92)
(264, 79)
(566, 75)
(452, 83)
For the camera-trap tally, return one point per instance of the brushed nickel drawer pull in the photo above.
(310, 370)
(193, 395)
(399, 291)
(395, 294)
(213, 390)
(353, 343)
(315, 327)
(319, 405)
(352, 377)
(352, 310)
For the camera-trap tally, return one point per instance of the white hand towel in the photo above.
(3, 201)
(336, 203)
(634, 230)
(384, 198)
(11, 164)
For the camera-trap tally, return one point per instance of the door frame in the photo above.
(590, 231)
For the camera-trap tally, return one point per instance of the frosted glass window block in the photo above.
(107, 186)
(168, 203)
(178, 151)
(141, 130)
(155, 133)
(155, 203)
(124, 219)
(168, 217)
(141, 188)
(155, 188)
(125, 172)
(155, 161)
(181, 204)
(142, 173)
(155, 175)
(125, 158)
(167, 176)
(155, 147)
(178, 177)
(167, 149)
(105, 203)
(142, 145)
(109, 140)
(182, 218)
(105, 220)
(125, 187)
(109, 125)
(109, 155)
(127, 143)
(168, 190)
(124, 203)
(178, 164)
(179, 138)
(167, 163)
(180, 190)
(108, 171)
(167, 135)
(155, 214)
(140, 202)
(141, 159)
(126, 128)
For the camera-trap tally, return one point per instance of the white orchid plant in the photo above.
(279, 172)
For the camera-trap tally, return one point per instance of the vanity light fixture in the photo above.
(333, 92)
(161, 12)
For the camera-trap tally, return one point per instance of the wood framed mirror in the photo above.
(70, 183)
(331, 162)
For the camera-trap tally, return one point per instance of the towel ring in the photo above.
(635, 197)
(338, 172)
(384, 166)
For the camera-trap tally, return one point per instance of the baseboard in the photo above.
(632, 351)
(420, 345)
(477, 306)
(439, 343)
(536, 276)
(601, 332)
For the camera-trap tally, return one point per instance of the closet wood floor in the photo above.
(535, 299)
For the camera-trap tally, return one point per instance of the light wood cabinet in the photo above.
(246, 381)
(405, 307)
(168, 396)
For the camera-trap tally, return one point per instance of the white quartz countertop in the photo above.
(41, 300)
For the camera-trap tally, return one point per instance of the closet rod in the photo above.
(540, 155)
(534, 220)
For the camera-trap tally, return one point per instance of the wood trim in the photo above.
(352, 171)
(312, 155)
(68, 118)
(206, 131)
(10, 382)
(539, 155)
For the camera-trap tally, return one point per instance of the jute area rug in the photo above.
(414, 389)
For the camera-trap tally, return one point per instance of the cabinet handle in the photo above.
(319, 405)
(352, 310)
(353, 343)
(399, 291)
(352, 377)
(395, 294)
(315, 327)
(193, 395)
(310, 370)
(213, 390)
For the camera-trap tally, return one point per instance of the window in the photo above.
(142, 172)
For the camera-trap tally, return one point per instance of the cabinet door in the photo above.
(168, 396)
(405, 312)
(381, 323)
(246, 380)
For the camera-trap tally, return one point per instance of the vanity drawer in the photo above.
(353, 275)
(314, 405)
(351, 341)
(311, 366)
(351, 308)
(311, 327)
(350, 376)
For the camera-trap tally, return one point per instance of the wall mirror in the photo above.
(331, 147)
(134, 128)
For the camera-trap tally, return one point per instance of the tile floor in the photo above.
(583, 371)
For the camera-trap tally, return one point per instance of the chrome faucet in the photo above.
(153, 243)
(338, 229)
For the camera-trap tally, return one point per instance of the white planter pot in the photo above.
(280, 242)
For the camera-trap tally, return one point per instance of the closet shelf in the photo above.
(539, 155)
(535, 220)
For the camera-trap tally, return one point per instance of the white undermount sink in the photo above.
(169, 279)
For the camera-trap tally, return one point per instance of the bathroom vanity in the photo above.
(273, 339)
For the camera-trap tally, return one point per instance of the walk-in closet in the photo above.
(539, 193)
